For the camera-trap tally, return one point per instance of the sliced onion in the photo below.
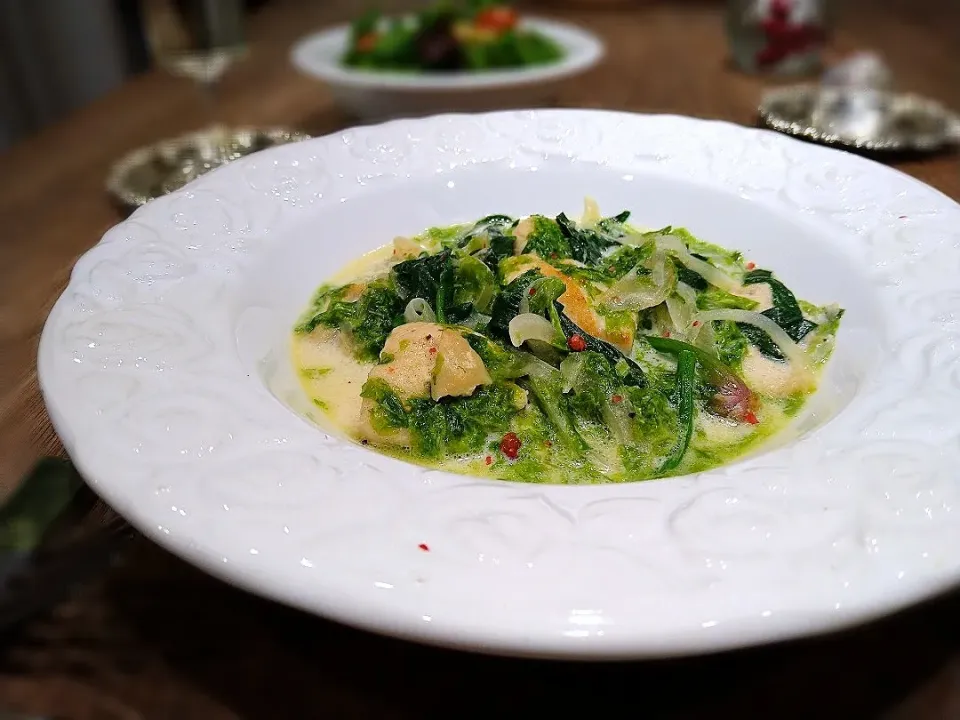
(530, 327)
(680, 315)
(591, 213)
(419, 310)
(712, 275)
(639, 292)
(682, 307)
(570, 369)
(475, 320)
(688, 294)
(791, 351)
(703, 337)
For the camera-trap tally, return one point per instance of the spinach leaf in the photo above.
(501, 246)
(388, 412)
(716, 299)
(626, 258)
(598, 393)
(420, 277)
(502, 363)
(328, 309)
(492, 226)
(506, 306)
(615, 226)
(689, 277)
(376, 314)
(474, 284)
(686, 409)
(626, 367)
(785, 312)
(546, 386)
(368, 320)
(731, 343)
(586, 245)
(461, 425)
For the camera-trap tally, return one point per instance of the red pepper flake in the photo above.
(424, 547)
(547, 443)
(696, 323)
(532, 291)
(553, 255)
(391, 369)
(432, 350)
(750, 417)
(488, 460)
(366, 43)
(751, 265)
(510, 445)
(666, 333)
(499, 18)
(576, 343)
(616, 399)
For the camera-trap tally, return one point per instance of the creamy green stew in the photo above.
(544, 349)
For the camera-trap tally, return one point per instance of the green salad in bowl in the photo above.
(446, 37)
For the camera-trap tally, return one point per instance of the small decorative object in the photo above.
(161, 168)
(780, 37)
(855, 98)
(855, 109)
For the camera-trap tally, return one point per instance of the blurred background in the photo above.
(91, 93)
(59, 55)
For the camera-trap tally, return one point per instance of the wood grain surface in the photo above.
(156, 639)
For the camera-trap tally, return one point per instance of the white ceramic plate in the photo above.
(166, 372)
(380, 95)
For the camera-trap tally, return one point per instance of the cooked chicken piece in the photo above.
(425, 360)
(772, 377)
(459, 370)
(405, 248)
(354, 291)
(760, 293)
(520, 234)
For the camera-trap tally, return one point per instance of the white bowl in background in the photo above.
(377, 95)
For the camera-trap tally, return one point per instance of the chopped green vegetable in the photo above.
(461, 425)
(571, 402)
(546, 239)
(785, 312)
(686, 388)
(42, 497)
(546, 386)
(420, 277)
(633, 374)
(586, 245)
(731, 343)
(388, 412)
(598, 394)
(716, 299)
(506, 306)
(378, 311)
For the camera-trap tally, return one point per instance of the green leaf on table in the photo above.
(39, 500)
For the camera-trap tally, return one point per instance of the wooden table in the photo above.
(157, 639)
